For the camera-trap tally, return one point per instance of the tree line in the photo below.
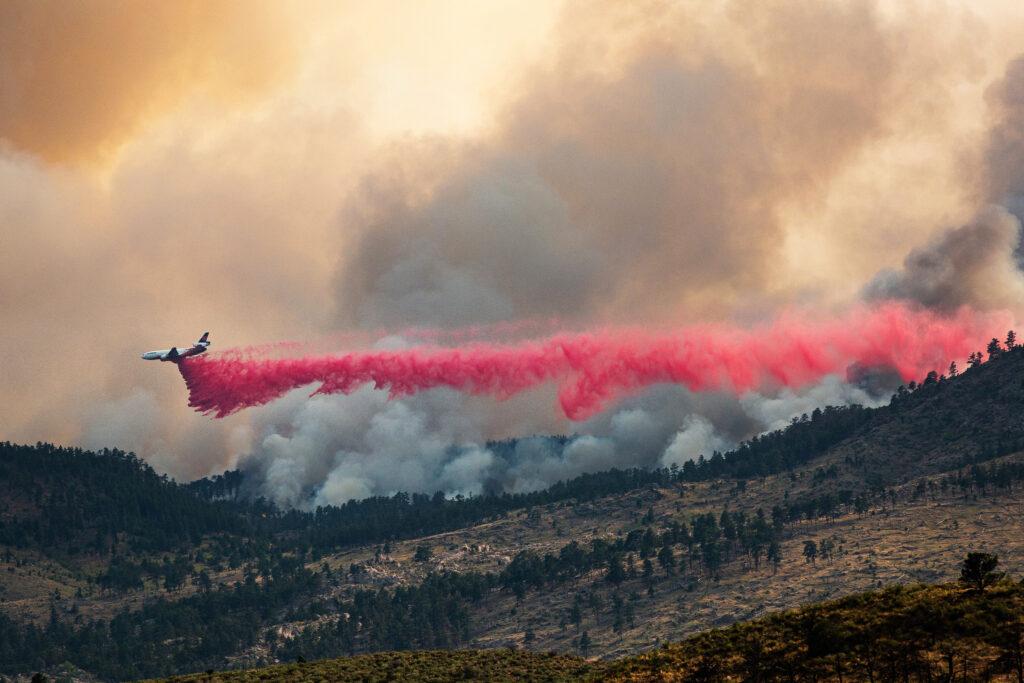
(107, 502)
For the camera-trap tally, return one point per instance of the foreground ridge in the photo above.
(921, 632)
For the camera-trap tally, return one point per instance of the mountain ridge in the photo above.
(864, 486)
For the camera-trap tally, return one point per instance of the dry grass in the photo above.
(413, 667)
(913, 541)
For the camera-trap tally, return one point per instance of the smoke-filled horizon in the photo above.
(591, 370)
(390, 175)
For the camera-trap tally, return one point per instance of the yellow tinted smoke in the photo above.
(77, 78)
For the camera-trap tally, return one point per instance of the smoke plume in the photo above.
(329, 449)
(973, 265)
(77, 79)
(639, 173)
(1004, 156)
(274, 171)
(977, 264)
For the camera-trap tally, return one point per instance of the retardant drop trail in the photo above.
(592, 369)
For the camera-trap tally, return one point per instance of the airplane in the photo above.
(174, 355)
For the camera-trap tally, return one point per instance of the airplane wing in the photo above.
(173, 353)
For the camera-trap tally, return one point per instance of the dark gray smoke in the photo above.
(640, 170)
(973, 265)
(1004, 157)
(665, 162)
(492, 243)
(977, 264)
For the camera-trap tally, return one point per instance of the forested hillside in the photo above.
(84, 501)
(945, 420)
(972, 630)
(109, 566)
(953, 632)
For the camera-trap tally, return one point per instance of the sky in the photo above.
(331, 171)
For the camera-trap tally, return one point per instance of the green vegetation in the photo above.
(73, 501)
(129, 532)
(918, 632)
(921, 633)
(70, 501)
(436, 613)
(204, 629)
(163, 637)
(423, 666)
(979, 571)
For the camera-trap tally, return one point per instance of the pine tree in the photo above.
(993, 349)
(648, 518)
(775, 555)
(810, 551)
(594, 602)
(616, 572)
(576, 614)
(978, 571)
(727, 525)
(584, 644)
(667, 559)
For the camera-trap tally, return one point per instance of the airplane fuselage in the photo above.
(165, 353)
(174, 354)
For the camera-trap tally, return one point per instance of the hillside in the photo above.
(424, 666)
(918, 632)
(845, 500)
(72, 501)
(936, 424)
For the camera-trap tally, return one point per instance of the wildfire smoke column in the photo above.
(592, 369)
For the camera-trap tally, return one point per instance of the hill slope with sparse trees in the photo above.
(115, 569)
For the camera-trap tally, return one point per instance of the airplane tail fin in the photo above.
(205, 339)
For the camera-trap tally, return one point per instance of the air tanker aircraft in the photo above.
(174, 355)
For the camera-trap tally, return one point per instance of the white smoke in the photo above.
(658, 184)
(775, 412)
(331, 449)
(696, 436)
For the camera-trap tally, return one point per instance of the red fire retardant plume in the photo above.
(592, 369)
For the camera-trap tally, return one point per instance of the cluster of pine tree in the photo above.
(95, 502)
(112, 505)
(164, 637)
(970, 631)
